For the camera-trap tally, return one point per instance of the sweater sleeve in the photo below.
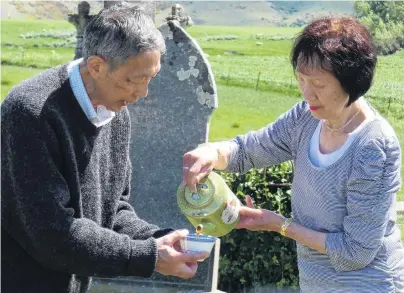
(36, 212)
(268, 146)
(127, 222)
(370, 196)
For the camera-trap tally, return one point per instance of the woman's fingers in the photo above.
(249, 201)
(196, 165)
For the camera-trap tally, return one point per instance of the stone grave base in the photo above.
(124, 286)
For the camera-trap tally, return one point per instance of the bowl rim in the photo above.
(201, 238)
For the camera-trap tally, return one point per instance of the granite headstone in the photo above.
(173, 119)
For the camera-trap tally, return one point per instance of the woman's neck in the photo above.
(349, 120)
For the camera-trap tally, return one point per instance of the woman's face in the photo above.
(322, 91)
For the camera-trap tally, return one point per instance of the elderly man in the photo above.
(65, 167)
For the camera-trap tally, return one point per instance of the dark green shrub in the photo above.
(258, 258)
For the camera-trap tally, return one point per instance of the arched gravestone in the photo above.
(172, 120)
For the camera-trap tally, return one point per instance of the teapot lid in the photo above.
(205, 191)
(211, 193)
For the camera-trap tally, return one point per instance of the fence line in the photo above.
(386, 92)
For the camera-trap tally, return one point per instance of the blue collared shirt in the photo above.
(99, 116)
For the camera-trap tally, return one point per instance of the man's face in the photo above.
(127, 83)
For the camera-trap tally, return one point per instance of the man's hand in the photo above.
(172, 262)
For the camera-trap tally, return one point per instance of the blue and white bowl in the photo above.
(191, 243)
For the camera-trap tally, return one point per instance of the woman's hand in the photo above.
(263, 220)
(258, 220)
(197, 164)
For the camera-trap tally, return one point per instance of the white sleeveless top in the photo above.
(321, 160)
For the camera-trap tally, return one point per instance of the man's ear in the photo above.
(97, 67)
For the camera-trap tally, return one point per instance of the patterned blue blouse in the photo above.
(352, 201)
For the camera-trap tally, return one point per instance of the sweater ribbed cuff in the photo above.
(162, 232)
(143, 258)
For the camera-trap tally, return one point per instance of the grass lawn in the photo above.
(11, 30)
(245, 32)
(402, 232)
(36, 58)
(244, 109)
(400, 222)
(12, 75)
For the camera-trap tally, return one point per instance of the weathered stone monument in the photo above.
(80, 21)
(172, 120)
(178, 14)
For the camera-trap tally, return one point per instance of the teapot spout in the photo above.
(199, 229)
(205, 228)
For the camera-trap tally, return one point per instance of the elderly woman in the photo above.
(347, 160)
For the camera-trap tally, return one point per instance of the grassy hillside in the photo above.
(234, 13)
(246, 102)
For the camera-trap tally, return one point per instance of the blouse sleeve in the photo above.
(371, 192)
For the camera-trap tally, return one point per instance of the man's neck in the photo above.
(89, 83)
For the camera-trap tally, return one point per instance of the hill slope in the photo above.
(230, 13)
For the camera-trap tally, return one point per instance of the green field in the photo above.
(11, 75)
(238, 56)
(12, 29)
(400, 221)
(244, 110)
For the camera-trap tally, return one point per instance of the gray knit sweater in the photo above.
(352, 201)
(65, 185)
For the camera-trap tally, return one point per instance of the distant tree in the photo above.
(362, 9)
(389, 11)
(385, 20)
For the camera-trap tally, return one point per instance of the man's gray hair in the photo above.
(120, 32)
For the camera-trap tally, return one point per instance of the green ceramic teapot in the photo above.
(213, 208)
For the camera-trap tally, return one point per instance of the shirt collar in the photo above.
(99, 116)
